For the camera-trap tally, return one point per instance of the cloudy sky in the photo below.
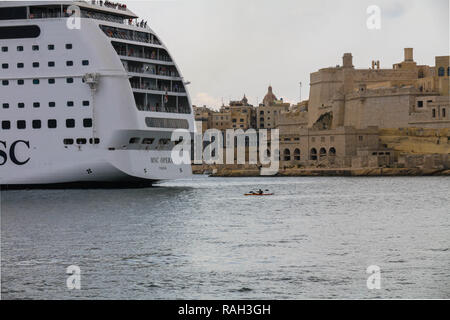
(228, 48)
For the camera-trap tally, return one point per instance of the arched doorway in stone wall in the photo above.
(297, 154)
(313, 154)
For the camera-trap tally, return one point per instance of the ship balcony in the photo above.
(138, 69)
(152, 102)
(175, 87)
(125, 51)
(86, 11)
(130, 35)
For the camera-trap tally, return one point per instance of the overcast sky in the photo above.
(226, 48)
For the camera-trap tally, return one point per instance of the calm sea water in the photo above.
(202, 239)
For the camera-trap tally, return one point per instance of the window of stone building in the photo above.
(332, 152)
(313, 139)
(419, 104)
(322, 139)
(287, 155)
(331, 139)
(444, 112)
(361, 138)
(448, 71)
(434, 113)
(441, 72)
(297, 154)
(313, 154)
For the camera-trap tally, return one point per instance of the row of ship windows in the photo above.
(149, 141)
(51, 104)
(35, 47)
(51, 124)
(51, 64)
(35, 81)
(70, 141)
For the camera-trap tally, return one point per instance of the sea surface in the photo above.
(203, 239)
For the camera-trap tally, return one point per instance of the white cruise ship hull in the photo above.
(78, 110)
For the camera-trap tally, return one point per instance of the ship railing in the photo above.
(166, 108)
(142, 70)
(146, 86)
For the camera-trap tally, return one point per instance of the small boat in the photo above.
(258, 194)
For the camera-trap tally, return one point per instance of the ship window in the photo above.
(19, 48)
(135, 140)
(35, 81)
(35, 48)
(20, 82)
(5, 105)
(19, 32)
(163, 141)
(68, 141)
(13, 13)
(148, 141)
(85, 62)
(51, 104)
(20, 65)
(69, 63)
(21, 105)
(68, 46)
(85, 103)
(5, 65)
(70, 103)
(87, 123)
(51, 47)
(5, 82)
(51, 123)
(21, 124)
(36, 105)
(51, 64)
(6, 125)
(35, 64)
(36, 124)
(94, 141)
(51, 81)
(70, 123)
(4, 49)
(69, 80)
(81, 141)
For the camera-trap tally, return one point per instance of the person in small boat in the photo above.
(260, 191)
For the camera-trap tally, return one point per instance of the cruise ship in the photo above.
(88, 95)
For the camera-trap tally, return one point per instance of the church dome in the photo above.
(270, 98)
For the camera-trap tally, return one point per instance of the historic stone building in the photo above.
(340, 123)
(355, 118)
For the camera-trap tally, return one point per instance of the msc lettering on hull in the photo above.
(11, 152)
